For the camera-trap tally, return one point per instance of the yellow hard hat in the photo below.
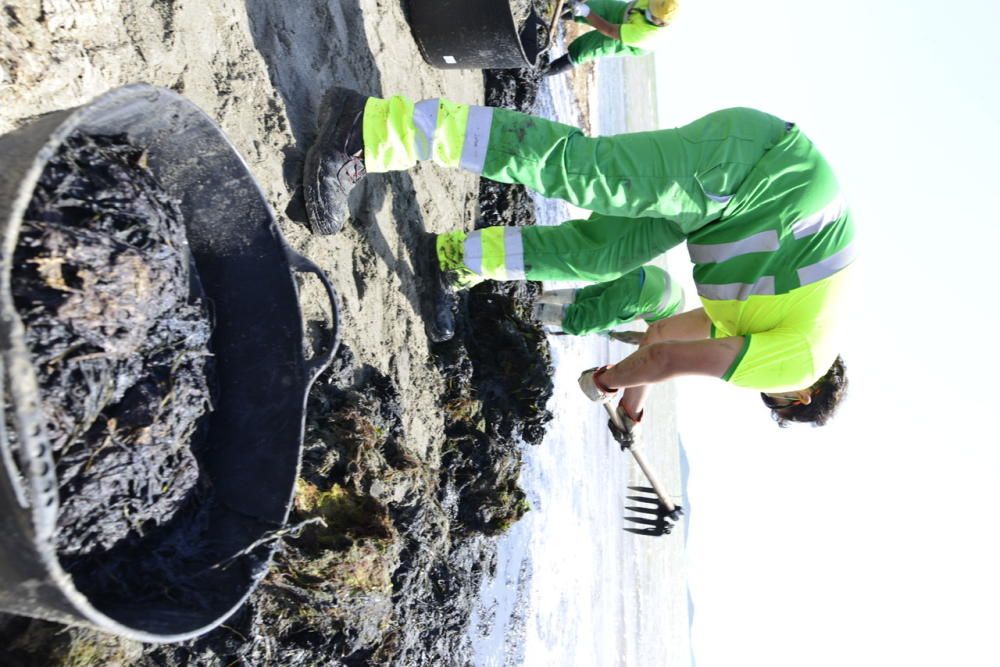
(663, 10)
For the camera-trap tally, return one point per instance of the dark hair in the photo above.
(827, 394)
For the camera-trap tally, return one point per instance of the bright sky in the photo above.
(870, 541)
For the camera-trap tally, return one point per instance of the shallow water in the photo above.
(571, 587)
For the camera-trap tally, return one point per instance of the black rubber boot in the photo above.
(559, 65)
(439, 300)
(335, 162)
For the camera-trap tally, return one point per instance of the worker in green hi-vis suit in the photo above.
(647, 293)
(620, 29)
(765, 224)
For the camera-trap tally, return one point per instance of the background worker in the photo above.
(766, 227)
(620, 29)
(646, 293)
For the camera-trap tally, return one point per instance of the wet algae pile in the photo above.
(390, 549)
(101, 280)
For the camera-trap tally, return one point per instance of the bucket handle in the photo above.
(316, 365)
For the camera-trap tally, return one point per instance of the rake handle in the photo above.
(659, 490)
(552, 26)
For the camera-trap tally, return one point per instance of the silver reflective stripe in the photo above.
(472, 252)
(827, 267)
(722, 199)
(817, 221)
(668, 295)
(425, 115)
(710, 253)
(737, 291)
(477, 139)
(513, 253)
(714, 196)
(807, 276)
(666, 300)
(559, 296)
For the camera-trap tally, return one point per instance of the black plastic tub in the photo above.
(255, 432)
(473, 34)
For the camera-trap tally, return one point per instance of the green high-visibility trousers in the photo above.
(648, 190)
(646, 293)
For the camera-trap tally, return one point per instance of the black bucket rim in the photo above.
(514, 49)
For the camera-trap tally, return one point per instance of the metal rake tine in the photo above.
(644, 521)
(651, 500)
(650, 532)
(654, 506)
(644, 510)
(674, 513)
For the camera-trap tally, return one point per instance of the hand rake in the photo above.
(660, 513)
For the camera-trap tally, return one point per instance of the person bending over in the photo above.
(620, 29)
(768, 231)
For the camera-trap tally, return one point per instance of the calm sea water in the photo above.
(571, 587)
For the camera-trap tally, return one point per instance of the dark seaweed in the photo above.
(101, 280)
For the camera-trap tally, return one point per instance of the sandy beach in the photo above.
(260, 71)
(395, 428)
